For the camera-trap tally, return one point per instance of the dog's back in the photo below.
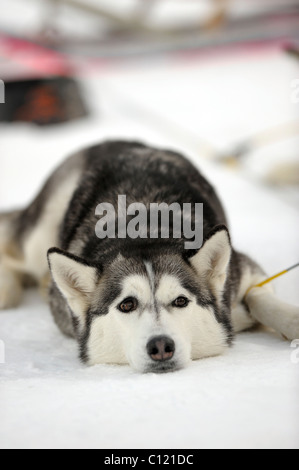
(144, 175)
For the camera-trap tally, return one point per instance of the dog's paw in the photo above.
(274, 313)
(10, 291)
(291, 331)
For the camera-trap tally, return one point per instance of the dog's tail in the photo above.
(11, 278)
(7, 220)
(9, 237)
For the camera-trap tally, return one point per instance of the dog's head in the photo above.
(154, 312)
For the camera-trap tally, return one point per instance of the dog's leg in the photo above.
(11, 288)
(260, 305)
(250, 274)
(241, 318)
(270, 311)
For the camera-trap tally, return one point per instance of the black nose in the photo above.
(161, 348)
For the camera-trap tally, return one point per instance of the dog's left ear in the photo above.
(75, 279)
(211, 262)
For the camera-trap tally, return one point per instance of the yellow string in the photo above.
(261, 284)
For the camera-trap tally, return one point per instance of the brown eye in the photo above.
(128, 305)
(180, 302)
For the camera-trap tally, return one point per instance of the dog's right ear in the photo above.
(75, 278)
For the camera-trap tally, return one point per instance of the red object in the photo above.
(23, 59)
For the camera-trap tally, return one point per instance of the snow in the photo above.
(247, 398)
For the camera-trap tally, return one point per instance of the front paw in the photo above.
(270, 311)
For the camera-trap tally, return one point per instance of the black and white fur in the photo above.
(91, 277)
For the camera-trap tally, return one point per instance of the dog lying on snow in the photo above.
(147, 302)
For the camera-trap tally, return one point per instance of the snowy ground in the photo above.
(246, 398)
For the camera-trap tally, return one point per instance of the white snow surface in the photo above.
(247, 398)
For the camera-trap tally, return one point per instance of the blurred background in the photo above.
(217, 79)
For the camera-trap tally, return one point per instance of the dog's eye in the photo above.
(180, 302)
(128, 305)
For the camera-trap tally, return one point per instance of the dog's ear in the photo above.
(211, 262)
(75, 279)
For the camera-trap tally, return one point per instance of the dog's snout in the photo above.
(161, 348)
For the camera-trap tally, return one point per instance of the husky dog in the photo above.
(146, 302)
